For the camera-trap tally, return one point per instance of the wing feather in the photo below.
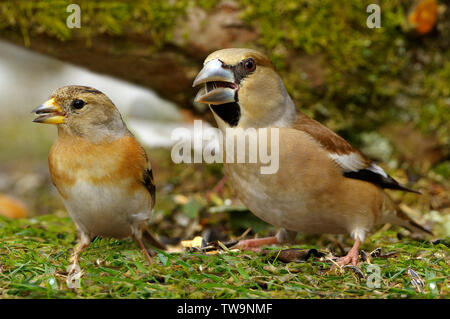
(149, 184)
(353, 163)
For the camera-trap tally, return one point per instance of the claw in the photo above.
(351, 257)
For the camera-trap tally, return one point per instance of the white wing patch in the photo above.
(352, 162)
(377, 170)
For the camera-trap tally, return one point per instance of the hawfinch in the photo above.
(99, 169)
(322, 185)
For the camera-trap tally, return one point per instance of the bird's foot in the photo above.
(255, 244)
(350, 258)
(74, 274)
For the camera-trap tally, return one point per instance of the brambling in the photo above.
(99, 169)
(323, 184)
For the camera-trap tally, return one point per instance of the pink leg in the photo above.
(251, 244)
(144, 250)
(74, 271)
(352, 255)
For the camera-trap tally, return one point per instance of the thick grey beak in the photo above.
(215, 91)
(213, 71)
(216, 97)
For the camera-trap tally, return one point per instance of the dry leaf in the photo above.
(11, 207)
(424, 16)
(197, 242)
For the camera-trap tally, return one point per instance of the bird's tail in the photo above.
(409, 223)
(397, 216)
(403, 188)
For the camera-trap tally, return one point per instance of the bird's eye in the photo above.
(78, 104)
(250, 65)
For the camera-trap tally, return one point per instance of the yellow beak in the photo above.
(49, 113)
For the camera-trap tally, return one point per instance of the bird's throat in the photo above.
(229, 112)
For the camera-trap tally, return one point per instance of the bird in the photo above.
(99, 169)
(323, 184)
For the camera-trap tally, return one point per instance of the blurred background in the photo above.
(386, 90)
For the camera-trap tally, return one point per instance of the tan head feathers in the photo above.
(233, 56)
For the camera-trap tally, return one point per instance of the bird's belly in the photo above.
(288, 208)
(106, 210)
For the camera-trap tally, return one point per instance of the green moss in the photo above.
(149, 19)
(34, 254)
(443, 169)
(367, 77)
(368, 69)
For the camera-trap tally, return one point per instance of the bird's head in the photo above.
(81, 111)
(243, 89)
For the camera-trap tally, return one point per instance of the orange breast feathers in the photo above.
(72, 159)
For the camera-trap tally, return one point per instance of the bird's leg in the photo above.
(74, 272)
(254, 244)
(283, 236)
(141, 244)
(352, 255)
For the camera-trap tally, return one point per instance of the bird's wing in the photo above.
(139, 165)
(149, 183)
(353, 163)
(146, 234)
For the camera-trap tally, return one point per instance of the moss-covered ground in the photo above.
(34, 255)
